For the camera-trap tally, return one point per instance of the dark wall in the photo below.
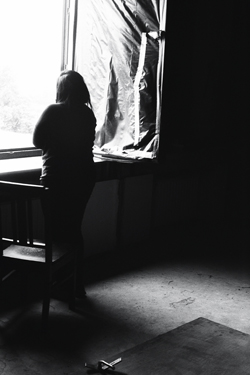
(199, 44)
(206, 97)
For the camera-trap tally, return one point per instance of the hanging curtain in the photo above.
(119, 50)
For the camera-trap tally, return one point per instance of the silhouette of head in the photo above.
(72, 89)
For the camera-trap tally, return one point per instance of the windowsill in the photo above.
(106, 169)
(20, 164)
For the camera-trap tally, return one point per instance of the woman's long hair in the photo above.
(72, 89)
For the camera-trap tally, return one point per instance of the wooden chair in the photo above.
(19, 247)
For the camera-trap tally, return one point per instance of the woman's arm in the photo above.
(41, 129)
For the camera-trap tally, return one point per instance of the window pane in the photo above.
(30, 48)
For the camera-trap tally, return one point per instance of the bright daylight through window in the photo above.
(30, 45)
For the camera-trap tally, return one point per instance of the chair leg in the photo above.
(46, 302)
(45, 312)
(72, 289)
(1, 276)
(45, 315)
(80, 279)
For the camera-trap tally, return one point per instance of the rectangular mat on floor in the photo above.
(200, 347)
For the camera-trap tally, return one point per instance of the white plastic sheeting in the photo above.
(119, 50)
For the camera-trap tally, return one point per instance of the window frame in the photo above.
(68, 38)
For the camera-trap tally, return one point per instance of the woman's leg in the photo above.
(67, 206)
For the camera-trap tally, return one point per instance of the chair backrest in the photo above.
(18, 198)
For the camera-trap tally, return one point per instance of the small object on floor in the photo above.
(103, 365)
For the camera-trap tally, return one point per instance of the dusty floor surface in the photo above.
(129, 300)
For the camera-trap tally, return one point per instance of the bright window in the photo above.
(30, 48)
(117, 46)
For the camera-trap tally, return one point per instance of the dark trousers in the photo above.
(66, 207)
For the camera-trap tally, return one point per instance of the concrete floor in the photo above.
(130, 299)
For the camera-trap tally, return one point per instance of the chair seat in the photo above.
(35, 254)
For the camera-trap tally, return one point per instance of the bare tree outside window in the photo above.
(30, 47)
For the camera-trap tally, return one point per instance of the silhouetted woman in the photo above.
(65, 132)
